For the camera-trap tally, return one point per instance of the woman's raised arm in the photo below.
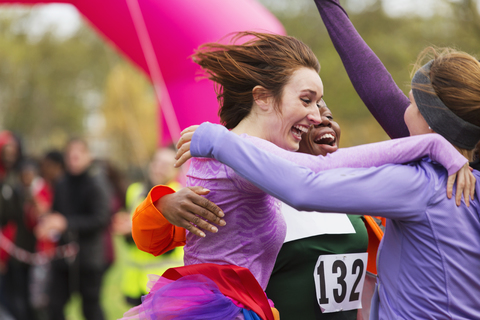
(369, 77)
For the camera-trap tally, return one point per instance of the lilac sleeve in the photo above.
(370, 78)
(392, 191)
(215, 141)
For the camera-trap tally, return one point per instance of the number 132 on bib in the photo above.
(339, 281)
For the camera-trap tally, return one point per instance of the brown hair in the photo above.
(455, 78)
(266, 60)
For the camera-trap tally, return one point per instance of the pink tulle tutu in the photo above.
(190, 297)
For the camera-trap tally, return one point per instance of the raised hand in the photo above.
(465, 185)
(183, 146)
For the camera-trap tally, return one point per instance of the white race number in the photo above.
(339, 281)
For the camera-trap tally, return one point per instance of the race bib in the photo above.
(302, 224)
(339, 281)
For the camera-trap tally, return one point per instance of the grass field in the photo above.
(112, 299)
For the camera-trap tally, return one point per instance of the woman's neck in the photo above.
(252, 126)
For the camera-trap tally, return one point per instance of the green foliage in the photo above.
(46, 82)
(51, 86)
(129, 105)
(397, 42)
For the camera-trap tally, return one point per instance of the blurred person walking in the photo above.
(80, 214)
(138, 264)
(51, 169)
(13, 283)
(114, 182)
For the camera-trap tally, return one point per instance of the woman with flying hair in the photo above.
(429, 258)
(269, 92)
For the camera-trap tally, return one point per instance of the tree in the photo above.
(46, 83)
(129, 108)
(397, 42)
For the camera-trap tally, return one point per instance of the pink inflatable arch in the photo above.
(159, 35)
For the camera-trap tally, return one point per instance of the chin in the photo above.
(319, 152)
(293, 148)
(289, 145)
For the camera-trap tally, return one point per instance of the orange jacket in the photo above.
(154, 234)
(151, 232)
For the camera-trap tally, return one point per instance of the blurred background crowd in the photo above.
(56, 84)
(58, 215)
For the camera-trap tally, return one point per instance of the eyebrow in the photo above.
(312, 92)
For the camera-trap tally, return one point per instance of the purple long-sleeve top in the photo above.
(255, 228)
(369, 77)
(387, 103)
(429, 261)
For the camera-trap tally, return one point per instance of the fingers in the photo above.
(185, 147)
(460, 187)
(188, 209)
(190, 129)
(468, 184)
(201, 212)
(465, 182)
(191, 228)
(450, 183)
(183, 153)
(473, 182)
(199, 190)
(184, 158)
(466, 190)
(186, 137)
(184, 218)
(209, 211)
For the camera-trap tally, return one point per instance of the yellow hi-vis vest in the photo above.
(137, 264)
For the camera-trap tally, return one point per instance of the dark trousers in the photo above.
(16, 290)
(65, 281)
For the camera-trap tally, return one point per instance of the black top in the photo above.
(84, 201)
(475, 164)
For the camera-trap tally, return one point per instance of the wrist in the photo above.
(160, 203)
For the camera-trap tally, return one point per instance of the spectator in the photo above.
(36, 197)
(14, 284)
(52, 167)
(114, 182)
(138, 263)
(81, 215)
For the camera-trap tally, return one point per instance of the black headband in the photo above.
(439, 117)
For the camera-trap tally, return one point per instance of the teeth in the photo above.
(301, 128)
(327, 135)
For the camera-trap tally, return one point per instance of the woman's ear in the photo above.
(262, 98)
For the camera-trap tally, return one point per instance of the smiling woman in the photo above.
(284, 124)
(322, 138)
(269, 93)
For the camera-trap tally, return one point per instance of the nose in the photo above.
(324, 122)
(314, 117)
